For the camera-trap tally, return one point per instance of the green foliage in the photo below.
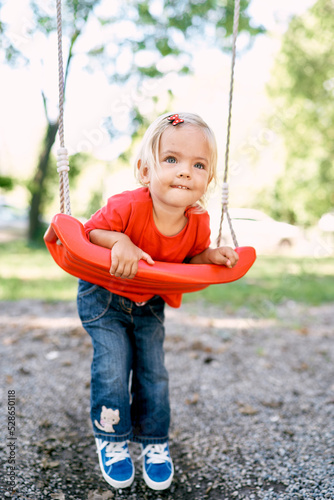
(78, 162)
(95, 202)
(303, 89)
(150, 71)
(7, 183)
(164, 47)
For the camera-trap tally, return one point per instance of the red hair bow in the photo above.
(175, 120)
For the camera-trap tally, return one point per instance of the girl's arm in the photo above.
(104, 238)
(125, 255)
(222, 256)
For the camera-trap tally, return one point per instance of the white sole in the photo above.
(158, 486)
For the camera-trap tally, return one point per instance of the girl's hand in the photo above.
(225, 256)
(125, 256)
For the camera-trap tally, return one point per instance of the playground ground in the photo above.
(252, 397)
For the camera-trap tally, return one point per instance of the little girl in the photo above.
(161, 221)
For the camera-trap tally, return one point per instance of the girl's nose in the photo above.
(184, 173)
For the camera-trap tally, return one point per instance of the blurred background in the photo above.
(125, 63)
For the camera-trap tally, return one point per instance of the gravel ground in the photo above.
(252, 398)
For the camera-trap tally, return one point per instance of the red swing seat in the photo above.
(69, 247)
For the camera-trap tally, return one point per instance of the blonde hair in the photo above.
(148, 155)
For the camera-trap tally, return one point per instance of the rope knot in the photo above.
(62, 160)
(225, 194)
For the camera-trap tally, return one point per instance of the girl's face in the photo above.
(182, 180)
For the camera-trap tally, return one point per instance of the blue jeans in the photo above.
(129, 381)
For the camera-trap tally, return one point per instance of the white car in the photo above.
(326, 222)
(255, 228)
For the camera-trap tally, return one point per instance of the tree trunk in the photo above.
(37, 187)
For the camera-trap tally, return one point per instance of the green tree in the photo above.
(128, 30)
(303, 89)
(6, 182)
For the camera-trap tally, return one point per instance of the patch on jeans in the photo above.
(108, 418)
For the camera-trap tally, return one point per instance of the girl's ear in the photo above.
(144, 173)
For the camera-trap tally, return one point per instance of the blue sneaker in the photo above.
(115, 462)
(158, 470)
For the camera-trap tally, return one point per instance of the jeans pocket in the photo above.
(84, 287)
(157, 308)
(93, 301)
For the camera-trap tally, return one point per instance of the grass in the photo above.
(275, 279)
(30, 272)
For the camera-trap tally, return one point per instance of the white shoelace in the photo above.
(114, 451)
(156, 453)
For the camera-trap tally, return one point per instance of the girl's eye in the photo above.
(170, 159)
(199, 165)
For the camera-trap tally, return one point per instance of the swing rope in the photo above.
(236, 16)
(62, 154)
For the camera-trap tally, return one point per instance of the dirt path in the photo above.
(252, 404)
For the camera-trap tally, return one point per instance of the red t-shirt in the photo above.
(131, 212)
